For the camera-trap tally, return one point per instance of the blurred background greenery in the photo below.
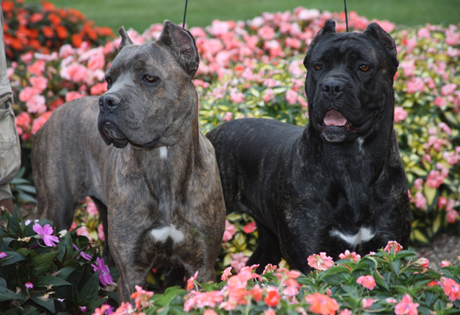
(140, 14)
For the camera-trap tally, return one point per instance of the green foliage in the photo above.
(62, 280)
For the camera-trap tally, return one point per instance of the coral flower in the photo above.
(141, 297)
(320, 262)
(367, 282)
(321, 304)
(393, 245)
(406, 306)
(346, 254)
(227, 272)
(451, 288)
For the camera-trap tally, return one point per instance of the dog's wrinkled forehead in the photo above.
(340, 45)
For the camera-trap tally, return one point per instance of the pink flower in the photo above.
(75, 72)
(452, 37)
(391, 300)
(83, 254)
(291, 97)
(29, 285)
(238, 261)
(250, 227)
(420, 201)
(406, 306)
(37, 67)
(227, 116)
(46, 233)
(102, 310)
(448, 89)
(415, 85)
(227, 272)
(367, 282)
(439, 101)
(268, 95)
(96, 61)
(98, 89)
(434, 179)
(70, 96)
(36, 104)
(266, 32)
(393, 246)
(400, 114)
(423, 262)
(320, 262)
(27, 94)
(235, 96)
(230, 230)
(3, 255)
(269, 311)
(451, 288)
(100, 232)
(345, 312)
(209, 312)
(418, 183)
(141, 297)
(39, 83)
(367, 303)
(104, 272)
(452, 216)
(445, 263)
(355, 257)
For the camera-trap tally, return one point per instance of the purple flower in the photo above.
(83, 254)
(83, 309)
(29, 285)
(3, 255)
(46, 234)
(104, 273)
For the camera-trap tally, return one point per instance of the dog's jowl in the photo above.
(337, 184)
(157, 187)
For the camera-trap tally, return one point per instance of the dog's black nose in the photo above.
(109, 102)
(333, 87)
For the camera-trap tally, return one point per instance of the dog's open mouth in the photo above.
(334, 118)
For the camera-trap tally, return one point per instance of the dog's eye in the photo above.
(318, 67)
(364, 68)
(108, 80)
(151, 79)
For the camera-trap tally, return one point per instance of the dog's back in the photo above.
(67, 128)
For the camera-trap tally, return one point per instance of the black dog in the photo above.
(337, 184)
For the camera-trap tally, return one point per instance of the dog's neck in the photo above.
(168, 171)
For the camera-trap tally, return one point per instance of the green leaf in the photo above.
(43, 262)
(40, 299)
(334, 270)
(12, 258)
(50, 280)
(430, 193)
(396, 266)
(6, 295)
(90, 289)
(65, 272)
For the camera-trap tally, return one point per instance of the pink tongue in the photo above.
(334, 118)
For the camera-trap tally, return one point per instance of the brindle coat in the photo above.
(158, 188)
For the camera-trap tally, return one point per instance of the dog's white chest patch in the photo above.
(162, 234)
(364, 235)
(164, 153)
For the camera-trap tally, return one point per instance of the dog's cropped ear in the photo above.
(328, 29)
(125, 40)
(182, 44)
(383, 38)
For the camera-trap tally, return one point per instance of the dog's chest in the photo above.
(364, 235)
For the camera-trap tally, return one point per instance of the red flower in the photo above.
(250, 227)
(321, 304)
(272, 298)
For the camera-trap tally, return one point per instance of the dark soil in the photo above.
(444, 247)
